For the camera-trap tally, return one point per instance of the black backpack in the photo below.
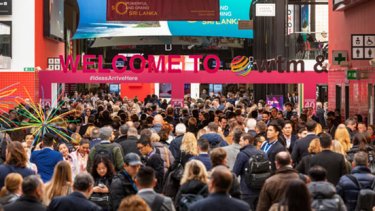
(187, 200)
(366, 195)
(257, 170)
(102, 151)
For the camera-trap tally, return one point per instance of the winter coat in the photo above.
(324, 197)
(348, 190)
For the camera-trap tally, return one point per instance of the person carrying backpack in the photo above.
(323, 193)
(356, 189)
(252, 178)
(107, 149)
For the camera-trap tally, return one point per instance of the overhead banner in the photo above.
(93, 23)
(159, 10)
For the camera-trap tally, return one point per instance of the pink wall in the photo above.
(342, 24)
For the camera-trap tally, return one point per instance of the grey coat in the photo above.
(232, 152)
(149, 195)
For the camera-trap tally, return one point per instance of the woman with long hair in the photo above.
(314, 148)
(194, 181)
(12, 189)
(102, 172)
(189, 148)
(15, 162)
(61, 182)
(295, 198)
(342, 135)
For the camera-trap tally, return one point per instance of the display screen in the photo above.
(93, 23)
(54, 19)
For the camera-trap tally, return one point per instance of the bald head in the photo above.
(283, 159)
(158, 119)
(221, 180)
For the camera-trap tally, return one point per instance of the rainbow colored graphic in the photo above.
(242, 65)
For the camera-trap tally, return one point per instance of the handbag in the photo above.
(178, 172)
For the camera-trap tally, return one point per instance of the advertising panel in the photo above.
(276, 101)
(93, 23)
(157, 10)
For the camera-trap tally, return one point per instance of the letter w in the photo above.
(69, 62)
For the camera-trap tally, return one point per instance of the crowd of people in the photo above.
(217, 153)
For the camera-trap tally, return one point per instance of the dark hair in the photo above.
(83, 181)
(108, 165)
(325, 140)
(222, 179)
(144, 140)
(237, 132)
(218, 156)
(16, 155)
(30, 184)
(247, 136)
(84, 141)
(359, 139)
(296, 196)
(310, 125)
(318, 173)
(145, 176)
(203, 144)
(48, 140)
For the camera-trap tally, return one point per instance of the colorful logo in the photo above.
(120, 7)
(242, 65)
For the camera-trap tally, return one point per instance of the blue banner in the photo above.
(93, 23)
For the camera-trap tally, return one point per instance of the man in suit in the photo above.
(290, 138)
(78, 200)
(333, 162)
(47, 158)
(272, 145)
(146, 181)
(203, 153)
(218, 186)
(152, 158)
(301, 146)
(31, 200)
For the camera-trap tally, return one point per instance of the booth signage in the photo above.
(158, 10)
(241, 65)
(265, 10)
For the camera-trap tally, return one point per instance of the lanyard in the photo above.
(267, 146)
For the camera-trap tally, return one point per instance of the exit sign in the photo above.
(352, 75)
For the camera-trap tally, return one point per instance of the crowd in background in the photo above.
(216, 153)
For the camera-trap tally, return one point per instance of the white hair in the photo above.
(251, 123)
(180, 129)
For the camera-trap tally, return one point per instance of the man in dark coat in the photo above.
(32, 188)
(78, 200)
(333, 162)
(130, 143)
(219, 185)
(348, 188)
(151, 158)
(123, 184)
(247, 150)
(301, 146)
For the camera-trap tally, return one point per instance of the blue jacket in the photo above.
(205, 158)
(175, 146)
(46, 160)
(69, 203)
(7, 169)
(215, 140)
(240, 165)
(348, 190)
(219, 202)
(272, 152)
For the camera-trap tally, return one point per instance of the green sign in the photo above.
(29, 69)
(352, 75)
